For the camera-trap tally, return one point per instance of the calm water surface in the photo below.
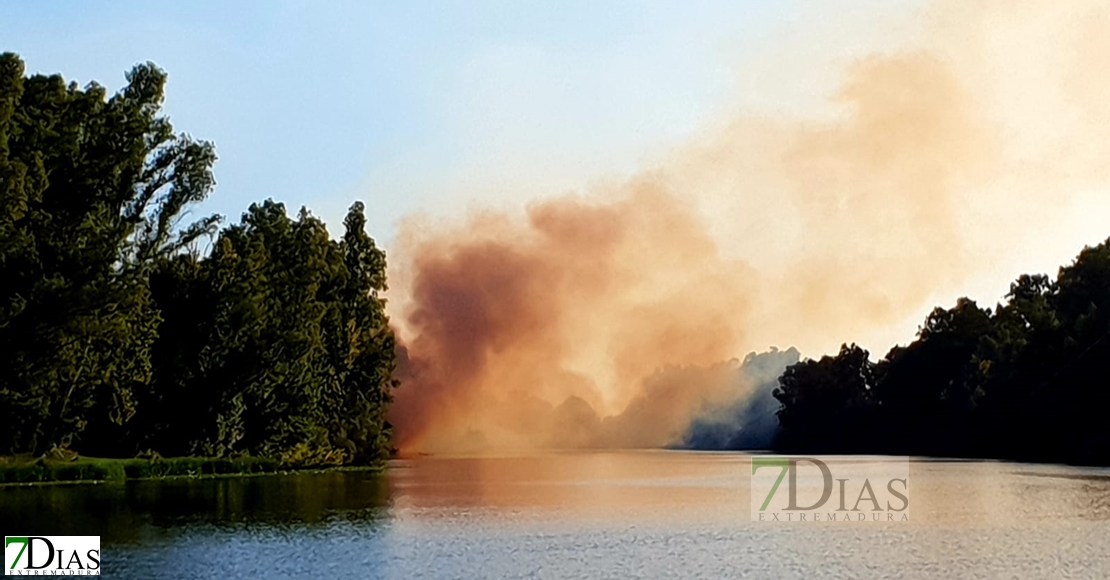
(631, 514)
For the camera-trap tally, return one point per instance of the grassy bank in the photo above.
(17, 470)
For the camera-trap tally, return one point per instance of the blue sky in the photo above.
(417, 105)
(436, 106)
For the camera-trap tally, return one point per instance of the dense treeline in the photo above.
(117, 336)
(1026, 380)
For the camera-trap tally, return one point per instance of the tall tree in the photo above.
(91, 190)
(276, 344)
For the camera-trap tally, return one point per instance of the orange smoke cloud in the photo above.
(521, 327)
(606, 318)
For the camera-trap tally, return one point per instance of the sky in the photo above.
(428, 106)
(443, 108)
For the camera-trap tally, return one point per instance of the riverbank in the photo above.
(32, 471)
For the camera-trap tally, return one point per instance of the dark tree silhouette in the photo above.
(117, 336)
(1026, 380)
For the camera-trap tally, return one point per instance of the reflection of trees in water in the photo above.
(122, 512)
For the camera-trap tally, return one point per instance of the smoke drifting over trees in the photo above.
(610, 317)
(749, 420)
(935, 160)
(523, 325)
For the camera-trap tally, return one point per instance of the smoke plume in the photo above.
(749, 420)
(610, 318)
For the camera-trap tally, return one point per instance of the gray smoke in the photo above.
(749, 421)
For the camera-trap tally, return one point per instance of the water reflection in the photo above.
(577, 487)
(583, 483)
(127, 511)
(574, 514)
(1091, 500)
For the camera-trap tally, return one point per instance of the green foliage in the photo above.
(277, 343)
(1024, 381)
(96, 469)
(117, 336)
(90, 187)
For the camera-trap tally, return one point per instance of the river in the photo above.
(655, 514)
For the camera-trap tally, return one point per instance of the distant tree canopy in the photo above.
(117, 336)
(1027, 380)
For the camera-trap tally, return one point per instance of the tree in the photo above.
(118, 336)
(826, 402)
(1024, 381)
(363, 346)
(91, 190)
(277, 344)
(930, 372)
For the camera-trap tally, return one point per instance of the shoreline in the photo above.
(97, 470)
